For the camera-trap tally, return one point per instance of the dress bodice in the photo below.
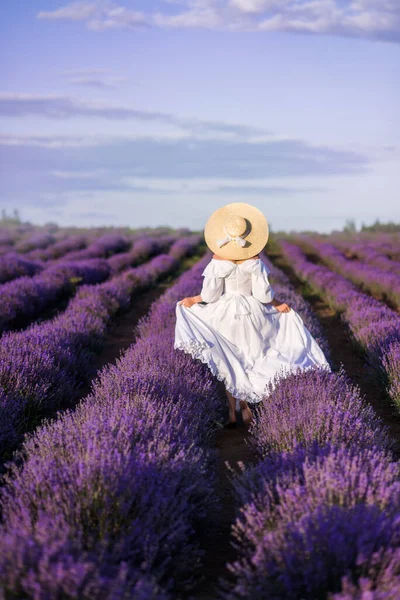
(249, 278)
(238, 280)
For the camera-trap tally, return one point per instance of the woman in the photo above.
(236, 325)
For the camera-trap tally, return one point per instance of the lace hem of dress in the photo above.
(195, 349)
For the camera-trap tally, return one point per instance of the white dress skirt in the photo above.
(243, 341)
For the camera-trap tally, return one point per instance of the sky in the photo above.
(158, 112)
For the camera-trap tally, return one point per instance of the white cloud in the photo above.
(64, 107)
(374, 19)
(98, 15)
(257, 6)
(205, 18)
(76, 11)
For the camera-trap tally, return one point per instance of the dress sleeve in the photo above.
(261, 287)
(213, 283)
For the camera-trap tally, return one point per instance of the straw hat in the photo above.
(236, 231)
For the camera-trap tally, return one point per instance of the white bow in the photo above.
(238, 239)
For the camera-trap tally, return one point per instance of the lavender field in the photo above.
(117, 478)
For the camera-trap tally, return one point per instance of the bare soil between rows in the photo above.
(216, 539)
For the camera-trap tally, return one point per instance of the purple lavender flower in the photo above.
(307, 558)
(111, 496)
(374, 326)
(44, 365)
(12, 266)
(315, 405)
(370, 278)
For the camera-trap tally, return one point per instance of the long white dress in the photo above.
(243, 341)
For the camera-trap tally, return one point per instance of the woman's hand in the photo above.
(283, 307)
(188, 302)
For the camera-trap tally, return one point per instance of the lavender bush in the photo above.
(368, 277)
(142, 249)
(315, 405)
(101, 247)
(44, 365)
(26, 297)
(307, 558)
(285, 486)
(38, 239)
(370, 254)
(13, 265)
(70, 244)
(383, 584)
(318, 516)
(374, 326)
(110, 496)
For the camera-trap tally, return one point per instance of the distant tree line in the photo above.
(390, 227)
(13, 219)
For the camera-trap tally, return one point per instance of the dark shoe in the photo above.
(230, 425)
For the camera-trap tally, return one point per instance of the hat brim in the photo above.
(256, 238)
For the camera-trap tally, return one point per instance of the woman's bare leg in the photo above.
(232, 407)
(246, 412)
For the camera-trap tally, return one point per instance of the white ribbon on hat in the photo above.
(238, 239)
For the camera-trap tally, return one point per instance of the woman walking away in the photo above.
(236, 325)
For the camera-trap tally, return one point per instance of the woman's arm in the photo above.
(212, 287)
(191, 300)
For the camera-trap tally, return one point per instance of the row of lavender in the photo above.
(74, 248)
(369, 254)
(14, 265)
(318, 515)
(374, 280)
(43, 245)
(26, 297)
(111, 497)
(30, 239)
(375, 327)
(41, 367)
(385, 245)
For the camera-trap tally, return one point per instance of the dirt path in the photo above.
(216, 539)
(343, 351)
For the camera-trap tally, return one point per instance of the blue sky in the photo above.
(158, 112)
